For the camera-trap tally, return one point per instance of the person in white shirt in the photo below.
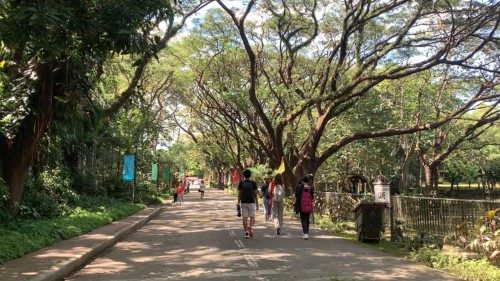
(202, 189)
(277, 195)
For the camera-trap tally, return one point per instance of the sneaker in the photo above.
(250, 231)
(246, 235)
(306, 236)
(278, 231)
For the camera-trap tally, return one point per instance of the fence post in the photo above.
(391, 217)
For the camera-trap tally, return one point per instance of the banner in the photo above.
(154, 172)
(166, 175)
(281, 168)
(235, 177)
(128, 168)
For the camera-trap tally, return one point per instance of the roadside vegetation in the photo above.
(345, 91)
(23, 236)
(473, 256)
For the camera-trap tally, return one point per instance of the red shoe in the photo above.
(250, 231)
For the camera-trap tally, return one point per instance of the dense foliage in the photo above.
(18, 238)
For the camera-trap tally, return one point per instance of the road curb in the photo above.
(65, 268)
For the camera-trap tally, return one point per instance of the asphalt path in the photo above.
(204, 240)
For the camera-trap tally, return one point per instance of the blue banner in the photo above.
(128, 168)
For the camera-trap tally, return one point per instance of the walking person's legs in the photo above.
(252, 219)
(276, 217)
(245, 226)
(281, 208)
(265, 202)
(304, 219)
(248, 212)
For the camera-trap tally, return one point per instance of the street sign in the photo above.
(382, 192)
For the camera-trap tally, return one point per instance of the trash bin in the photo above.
(369, 221)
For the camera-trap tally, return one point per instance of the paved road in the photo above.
(204, 240)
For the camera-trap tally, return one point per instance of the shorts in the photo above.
(247, 210)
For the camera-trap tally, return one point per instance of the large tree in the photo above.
(321, 70)
(52, 55)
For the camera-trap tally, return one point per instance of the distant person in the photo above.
(174, 194)
(304, 196)
(272, 183)
(201, 189)
(248, 202)
(264, 192)
(277, 195)
(180, 193)
(188, 185)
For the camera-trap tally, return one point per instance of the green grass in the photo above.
(481, 270)
(346, 231)
(21, 237)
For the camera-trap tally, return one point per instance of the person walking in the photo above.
(202, 189)
(248, 202)
(277, 195)
(180, 193)
(304, 196)
(174, 194)
(264, 191)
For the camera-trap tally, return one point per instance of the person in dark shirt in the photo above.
(248, 201)
(303, 188)
(264, 191)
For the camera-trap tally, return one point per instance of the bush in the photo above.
(18, 238)
(467, 269)
(486, 239)
(48, 194)
(83, 182)
(4, 194)
(421, 239)
(326, 223)
(36, 203)
(148, 193)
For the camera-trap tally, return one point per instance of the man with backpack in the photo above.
(304, 195)
(248, 202)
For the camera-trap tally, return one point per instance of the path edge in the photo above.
(66, 268)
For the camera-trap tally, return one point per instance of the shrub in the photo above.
(4, 194)
(486, 239)
(36, 203)
(326, 223)
(421, 239)
(20, 237)
(83, 182)
(467, 269)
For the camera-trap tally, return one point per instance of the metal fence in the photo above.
(440, 215)
(433, 215)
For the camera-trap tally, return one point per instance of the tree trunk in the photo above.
(427, 179)
(435, 176)
(15, 166)
(17, 154)
(404, 177)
